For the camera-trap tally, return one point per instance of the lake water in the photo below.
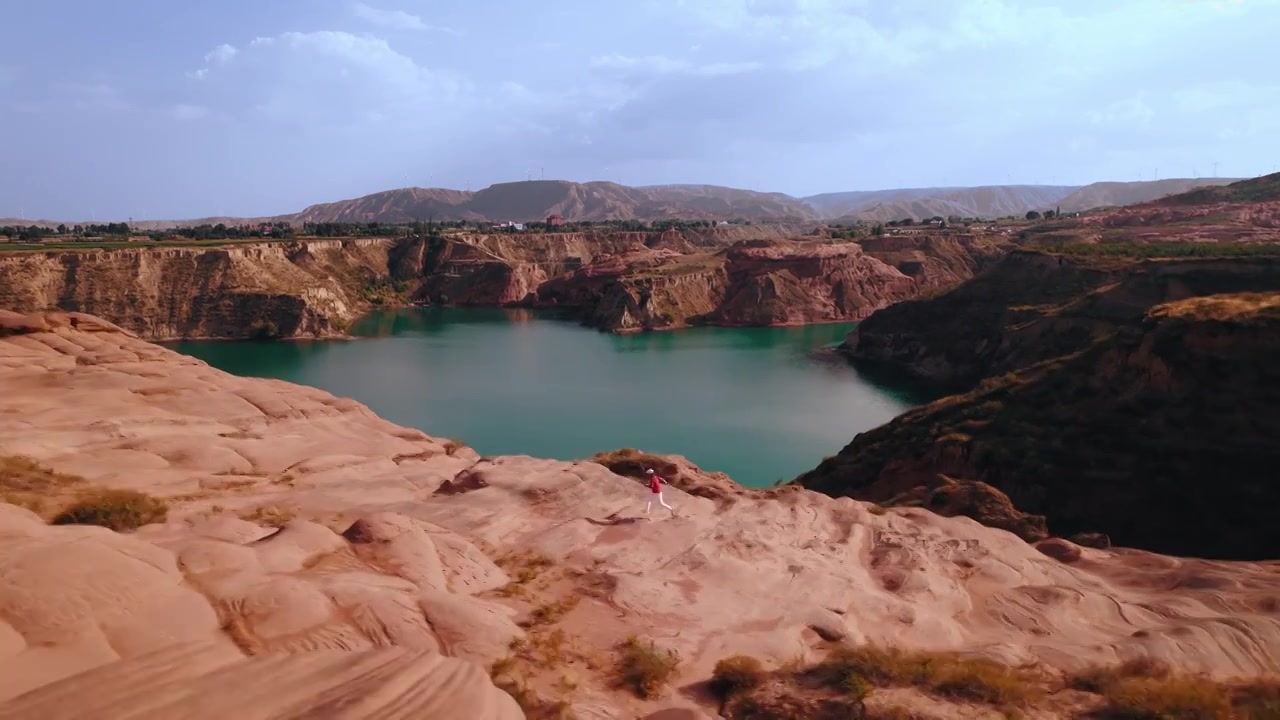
(752, 402)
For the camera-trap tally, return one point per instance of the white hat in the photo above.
(649, 471)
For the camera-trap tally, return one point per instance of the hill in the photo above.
(1115, 194)
(985, 202)
(535, 200)
(1242, 211)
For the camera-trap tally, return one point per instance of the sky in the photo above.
(170, 110)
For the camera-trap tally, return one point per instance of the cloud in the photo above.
(662, 65)
(183, 111)
(395, 19)
(96, 96)
(294, 70)
(220, 55)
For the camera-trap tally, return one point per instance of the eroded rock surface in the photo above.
(377, 570)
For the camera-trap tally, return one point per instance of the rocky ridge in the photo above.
(368, 570)
(755, 283)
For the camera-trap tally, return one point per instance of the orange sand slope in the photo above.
(388, 563)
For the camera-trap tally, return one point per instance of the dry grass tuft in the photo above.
(27, 484)
(535, 706)
(736, 674)
(630, 462)
(1096, 679)
(851, 669)
(1179, 698)
(524, 567)
(551, 613)
(643, 667)
(119, 510)
(269, 515)
(451, 446)
(1147, 689)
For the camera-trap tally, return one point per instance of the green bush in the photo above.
(264, 330)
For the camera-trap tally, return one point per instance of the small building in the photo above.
(555, 220)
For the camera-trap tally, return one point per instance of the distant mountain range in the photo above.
(535, 200)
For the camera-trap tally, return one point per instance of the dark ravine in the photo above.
(619, 281)
(1160, 430)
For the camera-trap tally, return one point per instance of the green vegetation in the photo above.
(1168, 249)
(110, 236)
(263, 329)
(119, 510)
(387, 293)
(644, 668)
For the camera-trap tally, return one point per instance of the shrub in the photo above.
(1096, 679)
(26, 483)
(264, 330)
(644, 668)
(1259, 700)
(119, 510)
(735, 674)
(1177, 698)
(943, 674)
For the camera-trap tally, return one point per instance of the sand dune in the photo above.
(400, 543)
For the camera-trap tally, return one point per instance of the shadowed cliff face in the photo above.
(623, 281)
(1034, 306)
(1164, 433)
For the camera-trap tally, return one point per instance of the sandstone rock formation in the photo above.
(316, 288)
(268, 289)
(762, 282)
(1161, 433)
(308, 563)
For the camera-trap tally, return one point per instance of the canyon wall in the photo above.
(279, 289)
(1032, 306)
(620, 281)
(1133, 399)
(763, 282)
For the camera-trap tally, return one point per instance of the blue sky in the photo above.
(162, 109)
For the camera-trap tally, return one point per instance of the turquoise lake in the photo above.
(754, 402)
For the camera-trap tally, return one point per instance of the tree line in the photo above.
(285, 230)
